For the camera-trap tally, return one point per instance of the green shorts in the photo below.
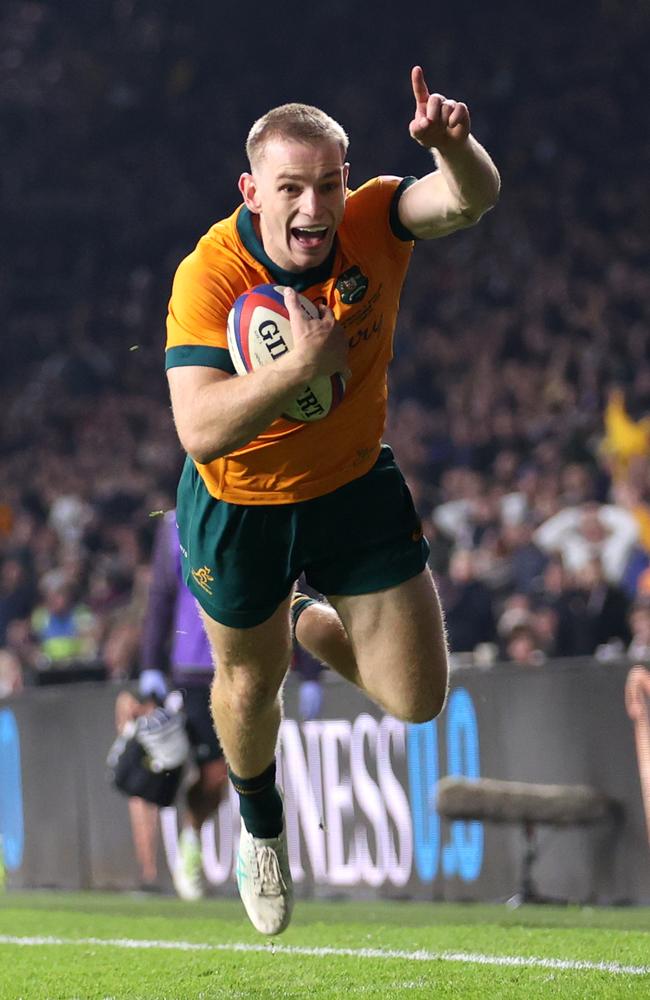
(240, 562)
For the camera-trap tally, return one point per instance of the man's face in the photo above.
(297, 190)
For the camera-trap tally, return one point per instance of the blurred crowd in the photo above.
(520, 388)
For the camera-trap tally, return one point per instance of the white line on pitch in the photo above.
(470, 958)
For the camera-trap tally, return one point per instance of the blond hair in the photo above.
(297, 122)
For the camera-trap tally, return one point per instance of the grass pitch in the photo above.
(56, 946)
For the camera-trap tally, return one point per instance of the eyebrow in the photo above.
(297, 177)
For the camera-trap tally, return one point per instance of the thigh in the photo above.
(398, 639)
(253, 657)
(235, 558)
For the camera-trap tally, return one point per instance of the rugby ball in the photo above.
(259, 333)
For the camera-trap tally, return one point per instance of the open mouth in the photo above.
(310, 236)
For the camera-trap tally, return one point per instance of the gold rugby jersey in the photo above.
(361, 282)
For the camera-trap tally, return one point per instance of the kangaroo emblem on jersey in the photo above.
(204, 578)
(352, 285)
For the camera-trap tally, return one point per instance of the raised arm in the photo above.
(466, 183)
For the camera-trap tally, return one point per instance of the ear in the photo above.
(248, 190)
(346, 174)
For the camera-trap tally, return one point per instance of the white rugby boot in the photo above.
(264, 881)
(188, 870)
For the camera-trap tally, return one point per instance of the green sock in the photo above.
(298, 604)
(260, 804)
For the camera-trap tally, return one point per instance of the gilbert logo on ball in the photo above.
(259, 332)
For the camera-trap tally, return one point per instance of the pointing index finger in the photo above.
(420, 89)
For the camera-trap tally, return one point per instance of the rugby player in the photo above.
(262, 499)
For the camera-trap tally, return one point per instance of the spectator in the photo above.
(143, 815)
(121, 622)
(21, 648)
(639, 647)
(516, 611)
(522, 647)
(599, 611)
(441, 547)
(631, 497)
(527, 561)
(467, 604)
(518, 505)
(545, 623)
(63, 628)
(555, 592)
(625, 440)
(17, 593)
(175, 651)
(455, 517)
(605, 531)
(11, 674)
(510, 365)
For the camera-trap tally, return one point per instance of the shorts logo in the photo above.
(352, 285)
(204, 577)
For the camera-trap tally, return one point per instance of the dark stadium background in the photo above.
(122, 128)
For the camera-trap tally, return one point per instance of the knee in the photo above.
(314, 627)
(425, 698)
(424, 709)
(245, 693)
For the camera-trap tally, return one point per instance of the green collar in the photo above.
(300, 280)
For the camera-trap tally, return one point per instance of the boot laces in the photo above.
(269, 874)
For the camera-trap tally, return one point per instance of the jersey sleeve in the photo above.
(375, 206)
(397, 227)
(198, 314)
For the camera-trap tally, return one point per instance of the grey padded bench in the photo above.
(530, 805)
